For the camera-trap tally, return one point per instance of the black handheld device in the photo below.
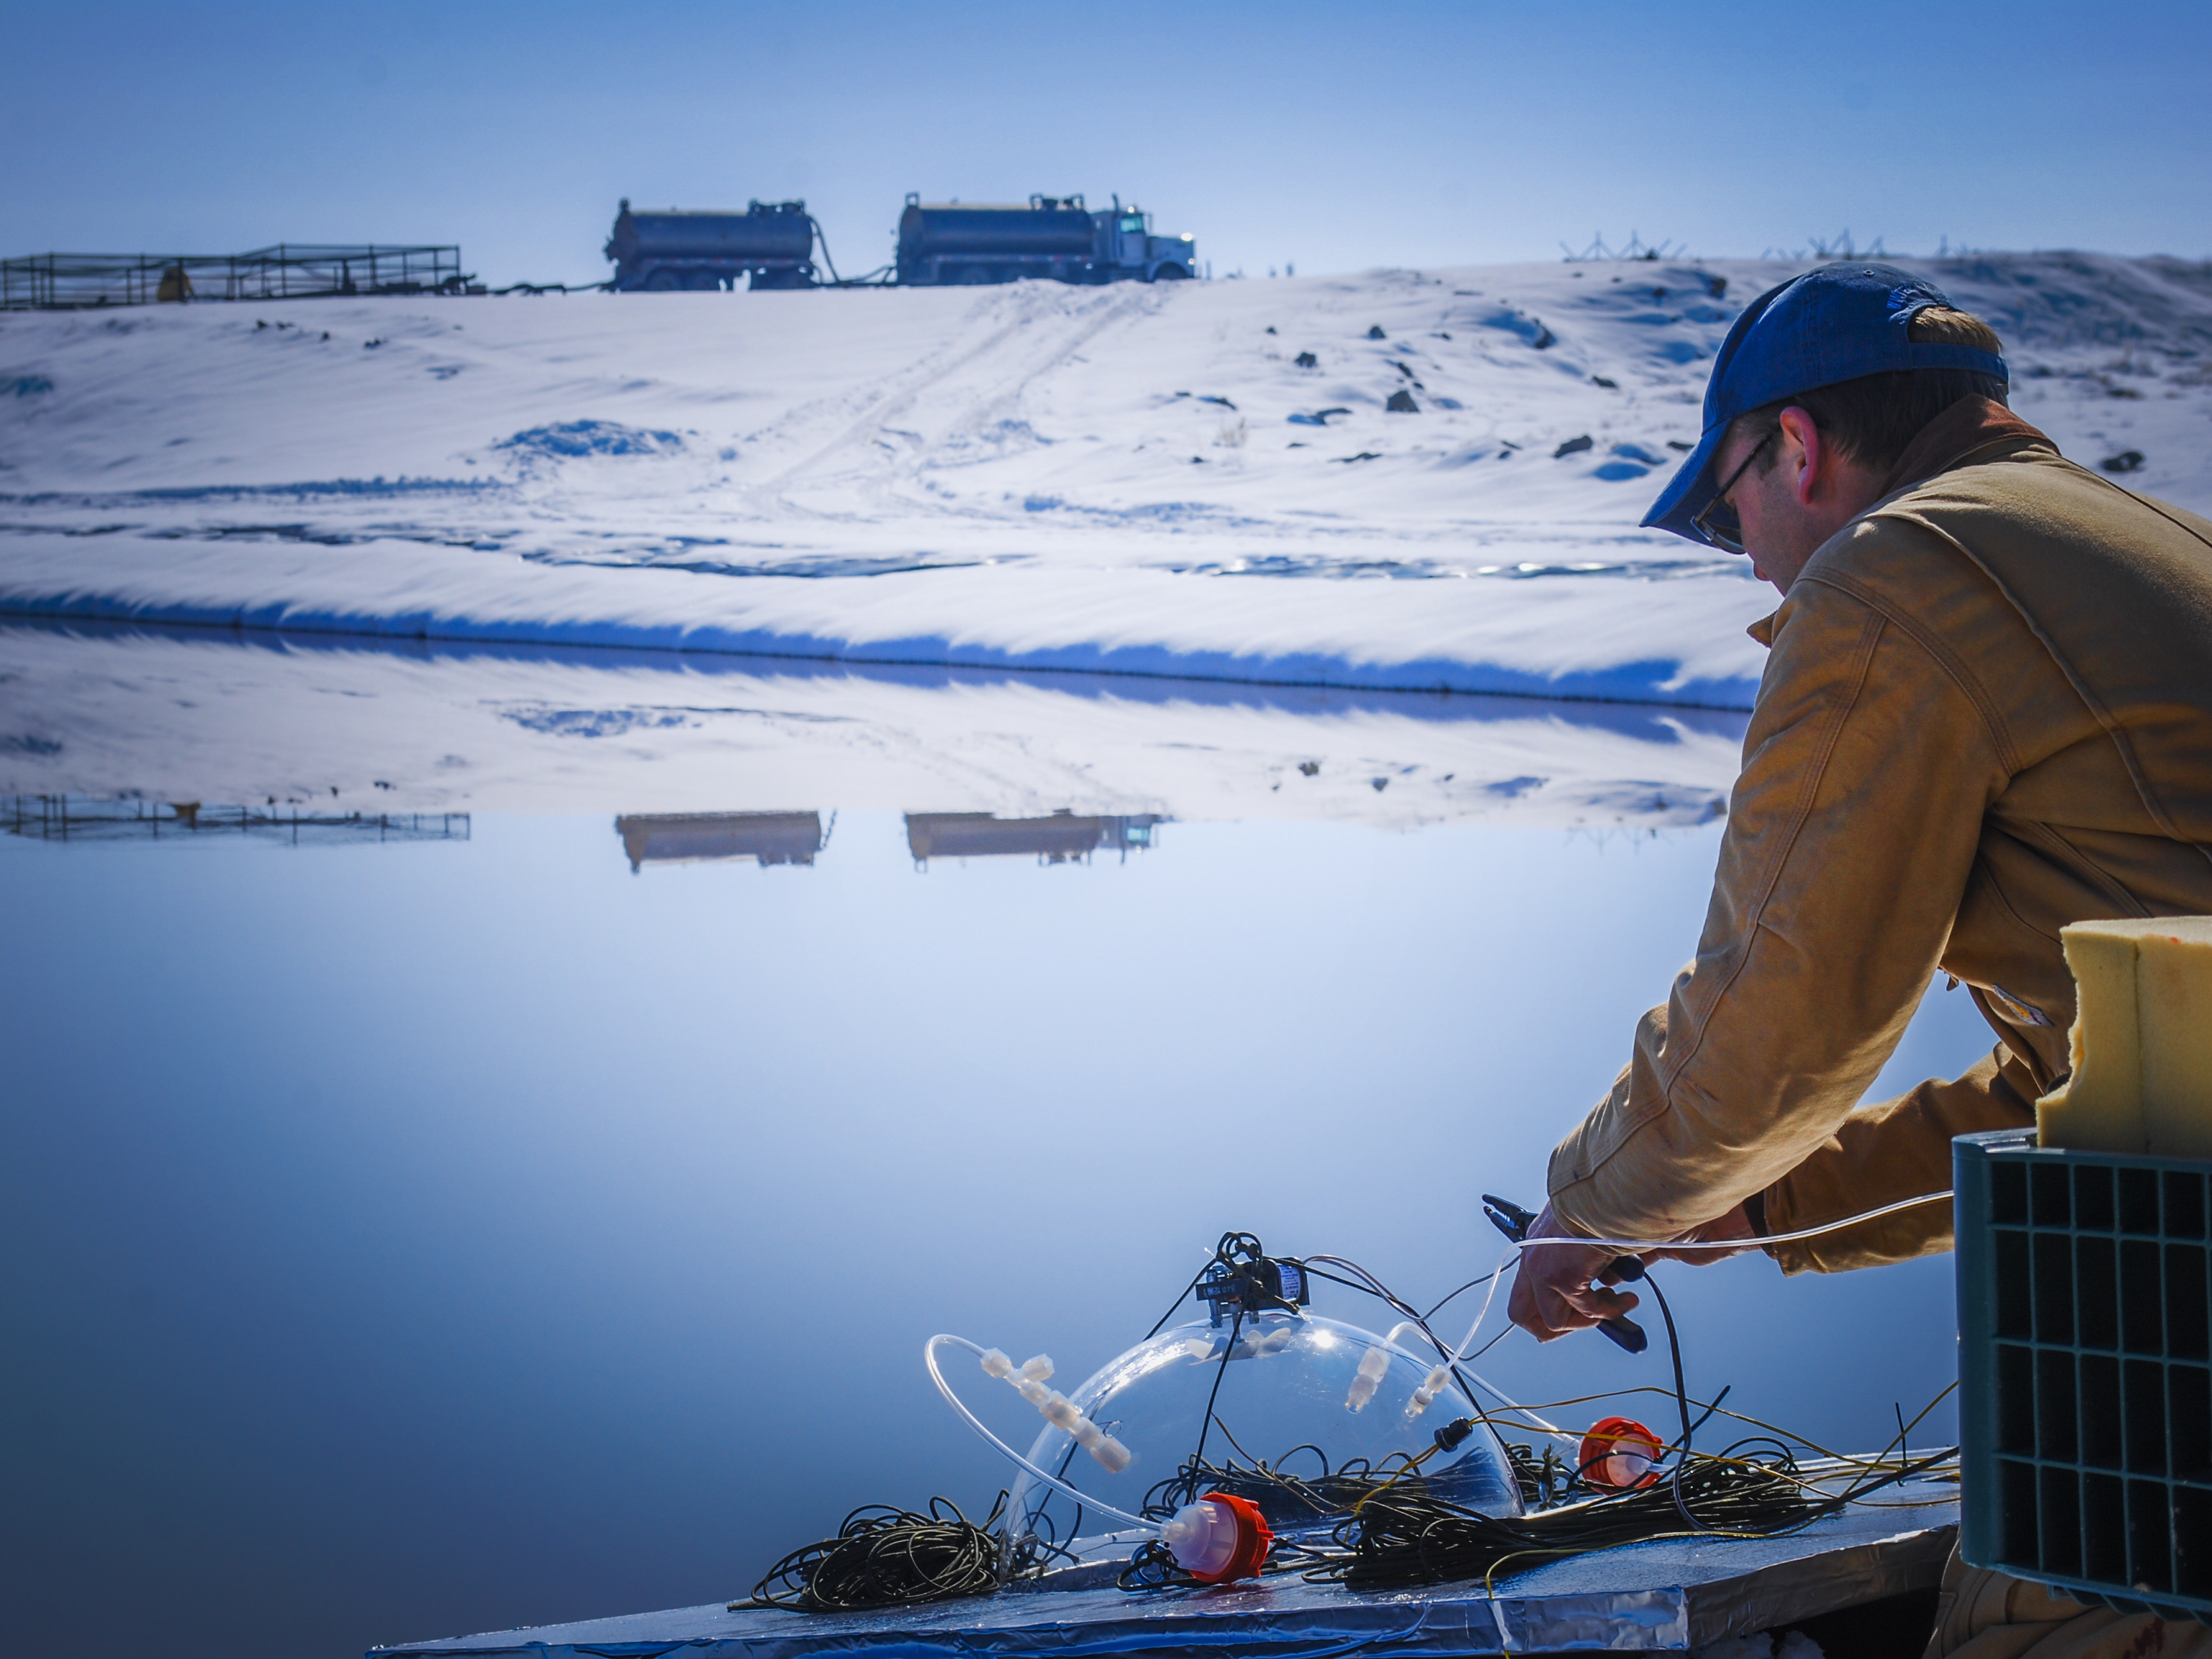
(1514, 1222)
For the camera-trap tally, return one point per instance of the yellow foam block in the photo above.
(2142, 1040)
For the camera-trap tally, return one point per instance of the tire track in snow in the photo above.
(860, 462)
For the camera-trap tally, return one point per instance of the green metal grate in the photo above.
(2085, 1369)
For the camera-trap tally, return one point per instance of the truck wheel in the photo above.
(664, 281)
(974, 276)
(1169, 273)
(703, 282)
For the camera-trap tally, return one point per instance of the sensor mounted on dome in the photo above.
(1242, 1278)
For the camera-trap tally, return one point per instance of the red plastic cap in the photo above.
(1253, 1539)
(1619, 1455)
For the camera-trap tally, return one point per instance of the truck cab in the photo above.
(1127, 248)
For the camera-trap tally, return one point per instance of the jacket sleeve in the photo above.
(1886, 1153)
(1852, 829)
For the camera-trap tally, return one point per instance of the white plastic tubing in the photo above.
(1619, 1246)
(1642, 1246)
(996, 1363)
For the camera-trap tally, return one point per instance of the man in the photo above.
(1987, 713)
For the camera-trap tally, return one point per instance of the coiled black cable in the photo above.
(1281, 1496)
(884, 1557)
(1405, 1536)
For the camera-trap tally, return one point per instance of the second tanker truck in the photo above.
(1054, 236)
(771, 244)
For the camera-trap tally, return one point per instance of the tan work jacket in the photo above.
(1987, 713)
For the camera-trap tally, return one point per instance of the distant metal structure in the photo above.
(1840, 247)
(1062, 838)
(289, 270)
(77, 819)
(690, 837)
(1635, 248)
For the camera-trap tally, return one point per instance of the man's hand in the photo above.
(1553, 1291)
(1562, 1287)
(1722, 1229)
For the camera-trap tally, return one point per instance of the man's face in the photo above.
(1793, 497)
(1765, 521)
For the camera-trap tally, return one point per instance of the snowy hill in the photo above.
(1141, 479)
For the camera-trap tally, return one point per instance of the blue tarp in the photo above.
(1667, 1595)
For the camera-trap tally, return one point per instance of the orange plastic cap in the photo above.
(1253, 1539)
(1621, 1455)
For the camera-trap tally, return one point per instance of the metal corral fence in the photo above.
(76, 819)
(289, 270)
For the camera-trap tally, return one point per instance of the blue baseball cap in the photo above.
(1836, 323)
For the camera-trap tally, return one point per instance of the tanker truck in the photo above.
(658, 252)
(1054, 236)
(771, 244)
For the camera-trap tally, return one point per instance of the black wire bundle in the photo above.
(1152, 1567)
(1544, 1480)
(1280, 1495)
(1402, 1534)
(884, 1557)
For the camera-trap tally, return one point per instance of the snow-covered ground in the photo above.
(1131, 478)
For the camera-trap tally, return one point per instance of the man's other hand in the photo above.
(1553, 1291)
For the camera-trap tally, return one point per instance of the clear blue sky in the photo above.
(1337, 137)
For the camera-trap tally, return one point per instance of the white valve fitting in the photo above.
(1059, 1410)
(1425, 1395)
(1111, 1454)
(1201, 1537)
(1374, 1365)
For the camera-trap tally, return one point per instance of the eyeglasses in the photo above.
(1719, 523)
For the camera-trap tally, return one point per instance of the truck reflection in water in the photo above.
(688, 837)
(75, 817)
(1063, 838)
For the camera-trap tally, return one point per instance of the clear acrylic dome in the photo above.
(1310, 1397)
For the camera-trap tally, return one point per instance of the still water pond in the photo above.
(513, 1224)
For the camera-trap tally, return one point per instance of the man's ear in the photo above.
(1804, 454)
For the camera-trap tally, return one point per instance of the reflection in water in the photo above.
(1060, 839)
(435, 1243)
(188, 714)
(73, 817)
(689, 837)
